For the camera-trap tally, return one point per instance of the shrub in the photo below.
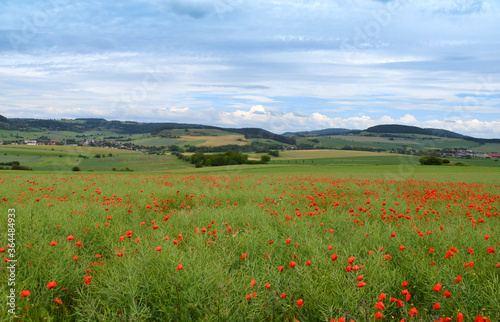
(430, 160)
(75, 169)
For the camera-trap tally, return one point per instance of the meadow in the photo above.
(281, 242)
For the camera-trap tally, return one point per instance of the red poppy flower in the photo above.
(334, 257)
(378, 316)
(447, 294)
(308, 263)
(351, 260)
(458, 279)
(53, 243)
(460, 317)
(360, 278)
(361, 284)
(413, 312)
(405, 284)
(78, 244)
(252, 282)
(380, 306)
(75, 258)
(25, 293)
(179, 267)
(70, 237)
(431, 250)
(283, 296)
(58, 301)
(120, 254)
(393, 234)
(437, 288)
(300, 302)
(158, 248)
(292, 264)
(436, 306)
(491, 250)
(243, 256)
(280, 269)
(401, 248)
(51, 285)
(288, 241)
(87, 279)
(267, 285)
(381, 297)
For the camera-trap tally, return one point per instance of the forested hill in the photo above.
(81, 125)
(405, 129)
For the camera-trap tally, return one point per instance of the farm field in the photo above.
(275, 242)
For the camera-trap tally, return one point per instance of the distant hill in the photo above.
(395, 128)
(331, 131)
(249, 133)
(406, 129)
(81, 125)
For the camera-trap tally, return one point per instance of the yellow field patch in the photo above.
(75, 149)
(218, 140)
(323, 154)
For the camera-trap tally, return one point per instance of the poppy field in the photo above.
(283, 247)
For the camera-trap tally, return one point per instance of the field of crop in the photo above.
(242, 246)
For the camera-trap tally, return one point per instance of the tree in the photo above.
(430, 160)
(265, 158)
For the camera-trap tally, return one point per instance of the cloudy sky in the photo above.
(282, 65)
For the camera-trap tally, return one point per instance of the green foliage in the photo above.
(75, 169)
(265, 158)
(430, 160)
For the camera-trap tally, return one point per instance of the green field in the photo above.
(233, 228)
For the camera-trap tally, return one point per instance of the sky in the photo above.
(281, 65)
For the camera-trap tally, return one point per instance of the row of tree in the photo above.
(219, 159)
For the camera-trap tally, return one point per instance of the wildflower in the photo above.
(51, 285)
(300, 302)
(252, 283)
(158, 248)
(437, 288)
(179, 267)
(283, 296)
(379, 306)
(87, 279)
(70, 237)
(413, 312)
(436, 306)
(292, 264)
(58, 301)
(25, 293)
(378, 316)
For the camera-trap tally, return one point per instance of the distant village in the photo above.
(89, 143)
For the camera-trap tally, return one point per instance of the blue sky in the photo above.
(281, 65)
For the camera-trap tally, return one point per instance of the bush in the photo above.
(430, 160)
(75, 169)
